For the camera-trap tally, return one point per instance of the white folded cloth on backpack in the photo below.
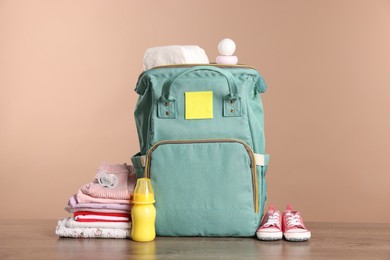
(174, 54)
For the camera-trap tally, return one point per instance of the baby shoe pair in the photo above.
(290, 225)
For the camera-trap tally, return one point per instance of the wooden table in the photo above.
(35, 239)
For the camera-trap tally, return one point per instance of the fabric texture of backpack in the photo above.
(201, 136)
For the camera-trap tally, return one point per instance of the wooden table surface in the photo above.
(35, 239)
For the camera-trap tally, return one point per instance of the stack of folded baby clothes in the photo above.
(101, 209)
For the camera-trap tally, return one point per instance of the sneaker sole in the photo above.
(297, 237)
(270, 236)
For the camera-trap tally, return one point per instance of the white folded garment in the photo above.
(174, 54)
(63, 231)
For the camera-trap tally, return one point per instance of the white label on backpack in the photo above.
(260, 160)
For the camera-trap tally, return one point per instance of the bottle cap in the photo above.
(143, 192)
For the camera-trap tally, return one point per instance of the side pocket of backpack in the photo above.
(138, 161)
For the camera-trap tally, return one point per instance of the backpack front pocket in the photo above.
(204, 187)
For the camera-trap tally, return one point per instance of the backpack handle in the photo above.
(166, 89)
(232, 102)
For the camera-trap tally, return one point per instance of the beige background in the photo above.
(68, 69)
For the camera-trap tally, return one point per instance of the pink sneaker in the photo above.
(270, 227)
(293, 227)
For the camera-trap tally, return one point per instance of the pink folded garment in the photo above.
(112, 181)
(84, 198)
(75, 204)
(75, 210)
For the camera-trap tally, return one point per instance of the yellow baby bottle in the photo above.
(143, 213)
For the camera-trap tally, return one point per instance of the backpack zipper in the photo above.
(222, 140)
(205, 64)
(197, 64)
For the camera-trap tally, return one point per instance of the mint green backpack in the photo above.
(201, 135)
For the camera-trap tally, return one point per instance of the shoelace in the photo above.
(273, 220)
(294, 220)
